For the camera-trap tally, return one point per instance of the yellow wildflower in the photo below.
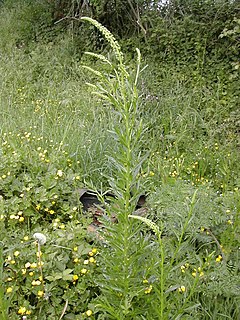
(22, 310)
(148, 290)
(24, 271)
(33, 265)
(36, 283)
(182, 289)
(92, 260)
(75, 277)
(83, 271)
(40, 293)
(89, 313)
(183, 269)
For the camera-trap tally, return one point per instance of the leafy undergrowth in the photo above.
(39, 194)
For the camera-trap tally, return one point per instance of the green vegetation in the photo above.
(163, 122)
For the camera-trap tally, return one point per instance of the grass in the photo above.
(166, 135)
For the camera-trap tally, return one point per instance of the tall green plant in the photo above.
(119, 89)
(120, 282)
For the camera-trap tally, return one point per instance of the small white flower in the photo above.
(41, 239)
(59, 173)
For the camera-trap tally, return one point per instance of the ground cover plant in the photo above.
(129, 131)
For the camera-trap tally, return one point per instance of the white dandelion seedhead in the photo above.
(40, 238)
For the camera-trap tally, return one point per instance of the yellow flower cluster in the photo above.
(219, 258)
(92, 252)
(198, 271)
(195, 272)
(10, 260)
(36, 283)
(86, 261)
(184, 267)
(17, 216)
(23, 310)
(182, 289)
(148, 290)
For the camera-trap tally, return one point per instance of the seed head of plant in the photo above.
(40, 238)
